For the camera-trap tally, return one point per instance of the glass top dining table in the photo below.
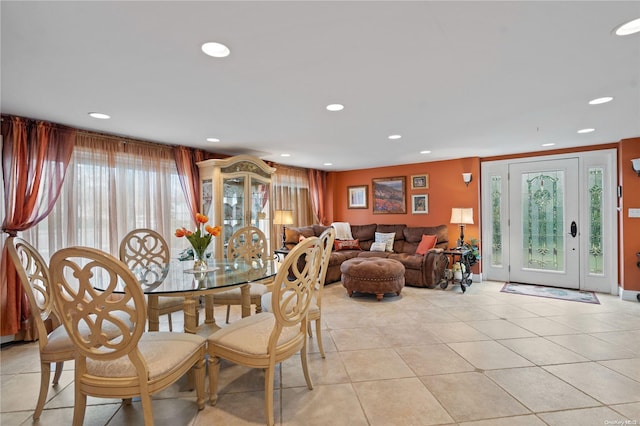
(180, 280)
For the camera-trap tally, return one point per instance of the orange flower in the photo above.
(213, 230)
(181, 232)
(200, 218)
(188, 233)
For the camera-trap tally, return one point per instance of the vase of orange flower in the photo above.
(200, 240)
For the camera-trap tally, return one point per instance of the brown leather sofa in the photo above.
(420, 270)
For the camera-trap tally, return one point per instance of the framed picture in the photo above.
(420, 204)
(420, 182)
(389, 195)
(357, 197)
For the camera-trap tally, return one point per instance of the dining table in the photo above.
(179, 279)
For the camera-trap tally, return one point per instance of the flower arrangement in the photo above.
(201, 237)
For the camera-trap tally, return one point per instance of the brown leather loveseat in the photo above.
(420, 270)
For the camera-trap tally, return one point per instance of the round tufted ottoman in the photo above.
(372, 275)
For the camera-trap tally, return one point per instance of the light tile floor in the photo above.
(428, 357)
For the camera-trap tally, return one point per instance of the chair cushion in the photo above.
(58, 340)
(250, 335)
(162, 351)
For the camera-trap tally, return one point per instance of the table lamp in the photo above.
(283, 217)
(461, 216)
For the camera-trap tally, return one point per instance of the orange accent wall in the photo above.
(629, 226)
(446, 190)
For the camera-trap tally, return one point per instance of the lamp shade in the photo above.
(462, 215)
(283, 217)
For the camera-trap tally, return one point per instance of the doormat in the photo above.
(551, 292)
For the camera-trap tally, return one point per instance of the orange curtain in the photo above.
(35, 156)
(186, 159)
(317, 188)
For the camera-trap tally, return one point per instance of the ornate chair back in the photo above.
(248, 243)
(146, 254)
(36, 281)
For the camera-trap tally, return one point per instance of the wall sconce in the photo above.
(635, 165)
(466, 177)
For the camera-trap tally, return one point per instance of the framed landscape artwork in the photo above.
(420, 182)
(389, 195)
(420, 204)
(357, 197)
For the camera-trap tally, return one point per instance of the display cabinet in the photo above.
(235, 192)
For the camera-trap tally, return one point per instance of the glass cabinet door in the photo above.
(259, 207)
(233, 205)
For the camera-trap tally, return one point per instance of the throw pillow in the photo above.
(387, 238)
(428, 242)
(378, 246)
(346, 245)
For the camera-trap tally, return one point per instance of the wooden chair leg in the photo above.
(214, 371)
(58, 373)
(45, 374)
(80, 405)
(305, 365)
(147, 409)
(228, 310)
(199, 373)
(319, 337)
(268, 394)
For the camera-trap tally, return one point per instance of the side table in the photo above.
(281, 252)
(458, 255)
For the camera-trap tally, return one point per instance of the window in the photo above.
(110, 188)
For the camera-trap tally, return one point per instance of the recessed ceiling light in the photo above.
(629, 28)
(99, 115)
(599, 101)
(328, 164)
(213, 140)
(285, 155)
(217, 50)
(335, 107)
(586, 130)
(425, 152)
(548, 144)
(395, 137)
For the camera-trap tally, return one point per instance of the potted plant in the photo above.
(474, 256)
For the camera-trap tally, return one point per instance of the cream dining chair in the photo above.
(53, 341)
(146, 254)
(131, 363)
(249, 244)
(268, 338)
(315, 309)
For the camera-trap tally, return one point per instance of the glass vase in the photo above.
(199, 262)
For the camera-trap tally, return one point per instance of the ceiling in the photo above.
(460, 79)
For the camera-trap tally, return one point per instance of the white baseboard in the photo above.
(630, 295)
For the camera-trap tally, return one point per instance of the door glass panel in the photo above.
(542, 220)
(496, 204)
(595, 221)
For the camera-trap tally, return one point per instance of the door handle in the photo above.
(574, 229)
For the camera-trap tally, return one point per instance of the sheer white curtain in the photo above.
(113, 186)
(290, 187)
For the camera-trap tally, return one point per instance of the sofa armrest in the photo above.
(435, 262)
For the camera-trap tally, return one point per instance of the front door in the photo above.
(551, 221)
(544, 223)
